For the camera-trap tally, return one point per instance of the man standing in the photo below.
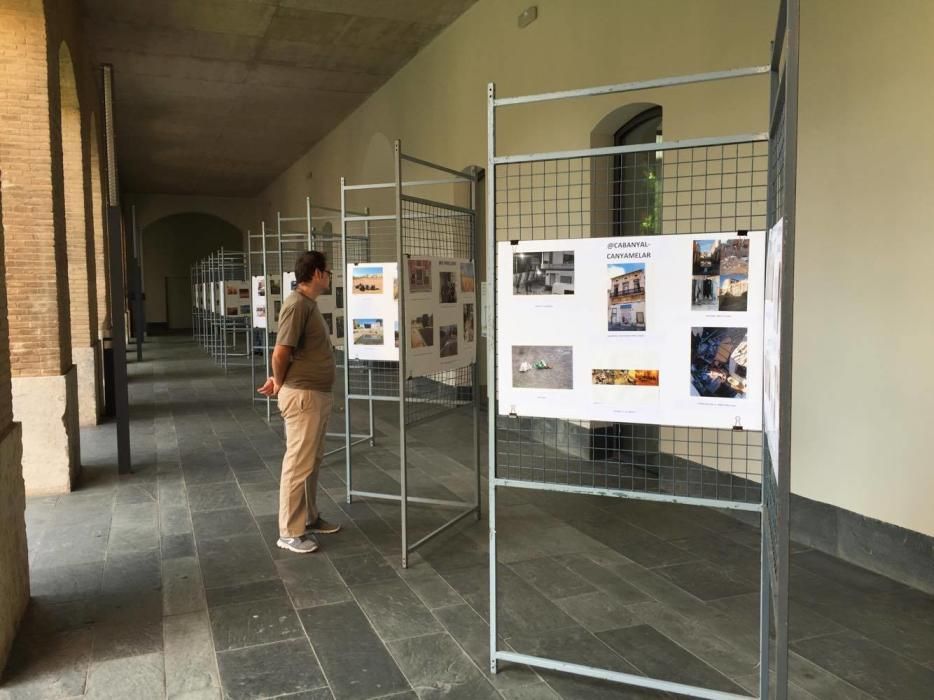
(303, 374)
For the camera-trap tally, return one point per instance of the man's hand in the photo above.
(270, 388)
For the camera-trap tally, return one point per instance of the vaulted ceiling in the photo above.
(220, 96)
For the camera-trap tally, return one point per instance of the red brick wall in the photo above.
(30, 147)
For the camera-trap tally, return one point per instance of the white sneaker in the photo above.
(299, 545)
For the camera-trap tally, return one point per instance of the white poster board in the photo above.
(771, 341)
(372, 312)
(266, 301)
(658, 329)
(441, 314)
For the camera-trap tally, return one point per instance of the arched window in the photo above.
(636, 192)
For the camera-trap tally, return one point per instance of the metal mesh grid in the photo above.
(435, 229)
(690, 190)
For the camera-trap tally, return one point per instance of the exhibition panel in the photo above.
(221, 306)
(418, 268)
(638, 325)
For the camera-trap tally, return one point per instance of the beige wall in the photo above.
(862, 391)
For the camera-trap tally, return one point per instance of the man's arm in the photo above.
(281, 357)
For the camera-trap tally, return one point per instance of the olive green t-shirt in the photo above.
(302, 328)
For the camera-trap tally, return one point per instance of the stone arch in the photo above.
(79, 240)
(171, 245)
(601, 167)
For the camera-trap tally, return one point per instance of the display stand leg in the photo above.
(765, 621)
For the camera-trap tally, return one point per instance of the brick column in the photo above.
(14, 557)
(44, 382)
(79, 235)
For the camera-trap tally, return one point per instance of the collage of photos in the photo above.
(719, 358)
(367, 280)
(626, 297)
(625, 377)
(368, 331)
(546, 272)
(543, 367)
(720, 275)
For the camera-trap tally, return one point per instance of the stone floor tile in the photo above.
(190, 665)
(137, 677)
(437, 667)
(352, 655)
(269, 670)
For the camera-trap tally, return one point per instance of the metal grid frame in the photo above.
(218, 333)
(414, 225)
(776, 493)
(548, 196)
(293, 235)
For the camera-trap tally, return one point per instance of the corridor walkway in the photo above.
(167, 583)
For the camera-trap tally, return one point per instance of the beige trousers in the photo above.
(306, 414)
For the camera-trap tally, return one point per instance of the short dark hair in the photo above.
(308, 264)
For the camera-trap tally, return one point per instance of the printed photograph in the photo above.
(448, 288)
(625, 377)
(292, 284)
(542, 366)
(244, 293)
(261, 287)
(395, 289)
(468, 323)
(233, 290)
(367, 280)
(340, 326)
(395, 327)
(329, 322)
(467, 278)
(231, 310)
(260, 312)
(734, 292)
(449, 340)
(734, 256)
(419, 276)
(339, 297)
(274, 287)
(245, 309)
(718, 362)
(704, 292)
(368, 331)
(626, 297)
(277, 306)
(706, 258)
(422, 331)
(548, 272)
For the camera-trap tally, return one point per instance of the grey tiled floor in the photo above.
(167, 583)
